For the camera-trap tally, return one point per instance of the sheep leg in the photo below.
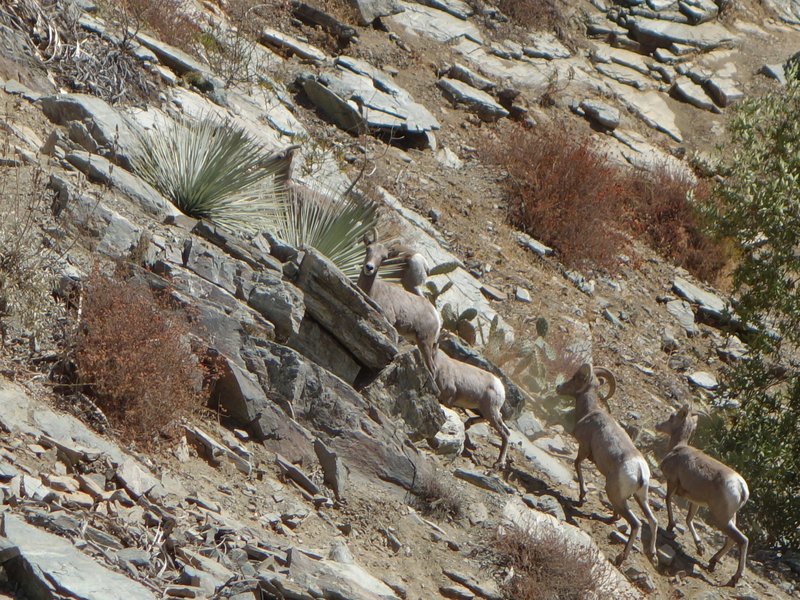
(496, 421)
(670, 514)
(621, 506)
(690, 523)
(737, 537)
(582, 454)
(641, 499)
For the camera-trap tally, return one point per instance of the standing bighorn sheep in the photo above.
(412, 315)
(702, 480)
(467, 386)
(603, 441)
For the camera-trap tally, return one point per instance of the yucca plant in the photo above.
(211, 169)
(335, 225)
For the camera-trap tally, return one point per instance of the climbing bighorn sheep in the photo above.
(413, 316)
(467, 386)
(414, 267)
(702, 480)
(603, 441)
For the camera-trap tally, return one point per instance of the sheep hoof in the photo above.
(619, 559)
(733, 581)
(670, 533)
(701, 550)
(712, 564)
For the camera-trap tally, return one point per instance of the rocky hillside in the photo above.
(322, 465)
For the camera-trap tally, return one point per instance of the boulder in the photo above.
(657, 33)
(365, 439)
(277, 301)
(601, 113)
(346, 312)
(405, 388)
(314, 342)
(435, 24)
(451, 436)
(111, 133)
(477, 101)
(369, 10)
(688, 91)
(49, 566)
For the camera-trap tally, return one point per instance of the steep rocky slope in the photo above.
(306, 484)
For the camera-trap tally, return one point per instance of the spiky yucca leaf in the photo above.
(213, 170)
(335, 227)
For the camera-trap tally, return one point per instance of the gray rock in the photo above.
(545, 504)
(360, 434)
(669, 342)
(708, 302)
(451, 436)
(148, 199)
(487, 482)
(475, 100)
(652, 109)
(369, 10)
(279, 302)
(723, 91)
(336, 579)
(405, 388)
(134, 478)
(273, 37)
(656, 33)
(546, 45)
(733, 350)
(135, 556)
(521, 294)
(787, 10)
(688, 91)
(345, 312)
(449, 159)
(703, 379)
(775, 72)
(314, 342)
(698, 11)
(435, 24)
(110, 130)
(470, 77)
(457, 8)
(14, 87)
(49, 566)
(182, 63)
(533, 244)
(358, 95)
(625, 75)
(333, 469)
(601, 113)
(542, 461)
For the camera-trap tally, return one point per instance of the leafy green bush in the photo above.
(211, 169)
(757, 209)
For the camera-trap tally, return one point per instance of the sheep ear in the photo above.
(585, 371)
(370, 237)
(685, 410)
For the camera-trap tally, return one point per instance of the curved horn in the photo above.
(371, 236)
(608, 376)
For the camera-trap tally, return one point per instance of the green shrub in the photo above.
(757, 209)
(211, 169)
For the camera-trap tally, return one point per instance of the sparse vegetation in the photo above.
(547, 566)
(214, 170)
(563, 191)
(437, 496)
(334, 226)
(166, 19)
(133, 355)
(757, 209)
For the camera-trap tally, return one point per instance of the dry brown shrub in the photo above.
(662, 214)
(437, 496)
(546, 566)
(532, 14)
(133, 355)
(561, 191)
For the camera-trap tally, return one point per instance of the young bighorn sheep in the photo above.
(603, 441)
(702, 480)
(413, 316)
(415, 267)
(467, 386)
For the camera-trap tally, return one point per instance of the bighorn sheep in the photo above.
(415, 267)
(413, 316)
(603, 441)
(702, 480)
(467, 386)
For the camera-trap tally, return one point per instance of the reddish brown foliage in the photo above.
(565, 193)
(562, 192)
(165, 17)
(133, 354)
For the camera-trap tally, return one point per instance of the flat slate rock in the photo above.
(688, 91)
(653, 32)
(435, 24)
(50, 566)
(707, 300)
(477, 101)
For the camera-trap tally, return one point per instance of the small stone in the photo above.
(704, 380)
(457, 593)
(492, 292)
(521, 294)
(666, 555)
(433, 215)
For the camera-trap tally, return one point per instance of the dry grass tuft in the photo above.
(546, 566)
(132, 353)
(437, 497)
